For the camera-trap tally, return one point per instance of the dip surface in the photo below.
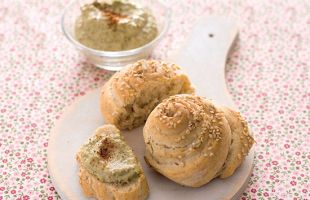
(114, 26)
(110, 159)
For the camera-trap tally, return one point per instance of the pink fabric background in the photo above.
(267, 74)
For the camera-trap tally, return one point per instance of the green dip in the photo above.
(109, 159)
(115, 25)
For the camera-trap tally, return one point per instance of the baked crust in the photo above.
(241, 143)
(92, 187)
(191, 141)
(187, 139)
(131, 94)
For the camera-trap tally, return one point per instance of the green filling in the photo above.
(110, 159)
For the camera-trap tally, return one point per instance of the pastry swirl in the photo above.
(187, 139)
(131, 94)
(241, 143)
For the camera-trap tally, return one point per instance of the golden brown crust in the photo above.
(187, 139)
(191, 141)
(137, 190)
(241, 144)
(131, 94)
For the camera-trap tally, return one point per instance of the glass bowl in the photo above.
(115, 60)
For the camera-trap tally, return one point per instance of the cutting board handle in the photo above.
(203, 56)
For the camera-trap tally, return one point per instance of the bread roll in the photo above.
(109, 170)
(241, 142)
(131, 94)
(187, 139)
(92, 187)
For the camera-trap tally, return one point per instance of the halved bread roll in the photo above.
(109, 170)
(131, 94)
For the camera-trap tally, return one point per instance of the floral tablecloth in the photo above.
(267, 75)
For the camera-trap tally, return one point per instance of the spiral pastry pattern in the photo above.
(187, 139)
(131, 94)
(241, 142)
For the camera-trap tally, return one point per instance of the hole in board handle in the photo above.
(211, 35)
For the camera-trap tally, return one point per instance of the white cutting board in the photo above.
(203, 57)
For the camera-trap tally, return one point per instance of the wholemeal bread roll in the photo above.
(241, 142)
(131, 94)
(187, 139)
(92, 187)
(109, 169)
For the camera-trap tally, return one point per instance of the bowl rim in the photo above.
(124, 53)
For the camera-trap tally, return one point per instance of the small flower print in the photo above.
(266, 75)
(293, 183)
